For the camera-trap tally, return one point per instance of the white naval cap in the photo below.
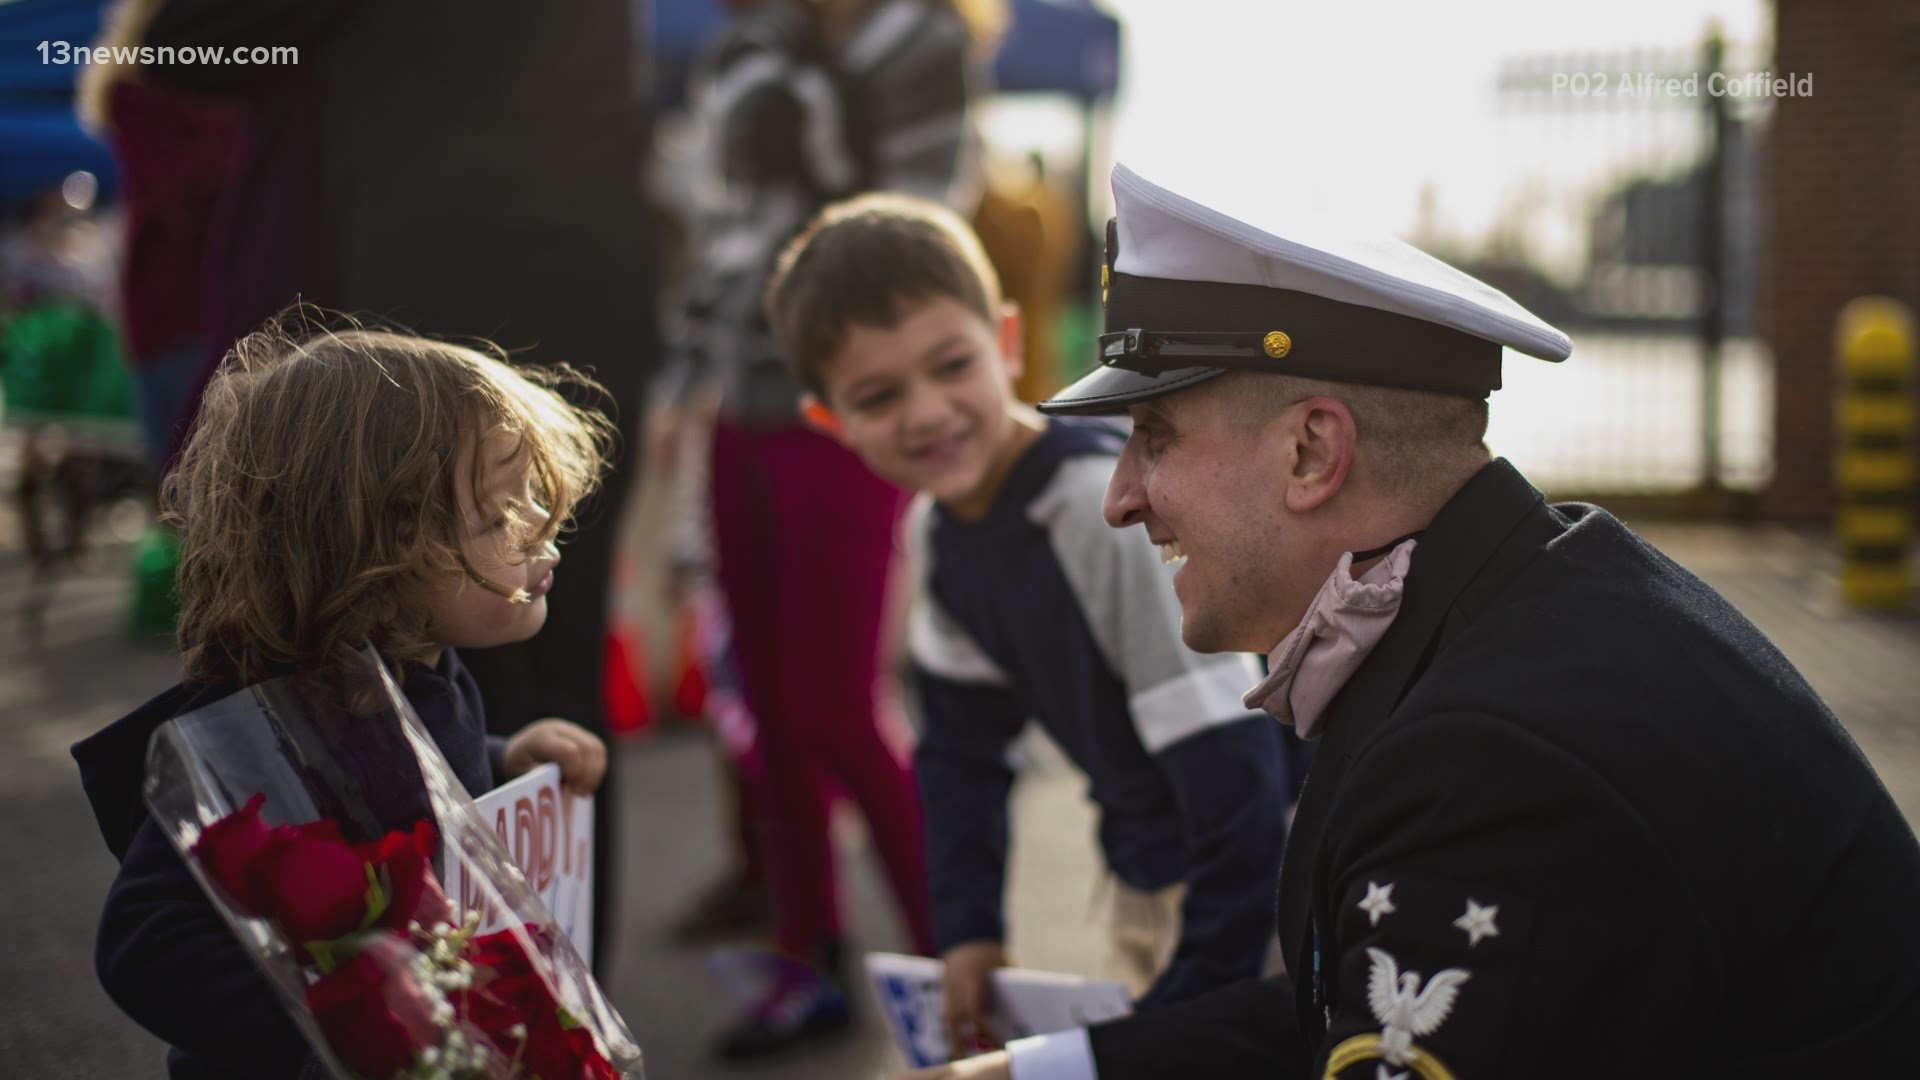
(1193, 289)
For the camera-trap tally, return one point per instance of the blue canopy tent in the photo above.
(1060, 46)
(40, 141)
(1066, 47)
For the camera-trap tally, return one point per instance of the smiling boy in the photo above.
(1028, 607)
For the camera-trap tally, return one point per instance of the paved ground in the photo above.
(54, 1021)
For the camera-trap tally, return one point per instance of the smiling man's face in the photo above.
(1209, 489)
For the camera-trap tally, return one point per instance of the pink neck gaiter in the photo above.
(1345, 621)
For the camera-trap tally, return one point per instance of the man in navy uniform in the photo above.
(1572, 815)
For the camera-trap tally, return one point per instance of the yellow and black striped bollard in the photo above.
(1875, 341)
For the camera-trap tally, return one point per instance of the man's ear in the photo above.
(822, 419)
(1324, 438)
(1012, 339)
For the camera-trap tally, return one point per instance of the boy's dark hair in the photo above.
(860, 261)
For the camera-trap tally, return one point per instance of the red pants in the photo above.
(805, 535)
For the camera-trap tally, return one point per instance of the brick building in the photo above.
(1845, 213)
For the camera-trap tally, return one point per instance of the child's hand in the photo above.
(969, 996)
(581, 755)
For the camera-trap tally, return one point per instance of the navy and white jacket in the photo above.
(164, 954)
(1039, 610)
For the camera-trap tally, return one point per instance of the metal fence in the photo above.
(1656, 162)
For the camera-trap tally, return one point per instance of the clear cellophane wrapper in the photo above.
(322, 821)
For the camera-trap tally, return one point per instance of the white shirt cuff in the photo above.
(1064, 1055)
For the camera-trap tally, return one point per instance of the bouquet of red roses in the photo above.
(313, 811)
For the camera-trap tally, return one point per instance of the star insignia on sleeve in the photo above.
(1378, 903)
(1478, 922)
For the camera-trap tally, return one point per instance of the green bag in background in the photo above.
(63, 361)
(156, 560)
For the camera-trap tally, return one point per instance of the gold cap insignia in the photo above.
(1277, 344)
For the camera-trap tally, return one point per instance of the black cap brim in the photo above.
(1107, 391)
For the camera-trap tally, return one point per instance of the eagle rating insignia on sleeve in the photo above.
(1404, 1008)
(1393, 930)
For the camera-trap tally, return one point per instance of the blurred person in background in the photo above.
(177, 153)
(65, 389)
(467, 170)
(800, 104)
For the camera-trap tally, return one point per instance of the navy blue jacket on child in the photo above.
(1040, 610)
(164, 954)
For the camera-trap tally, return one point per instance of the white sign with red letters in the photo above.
(548, 831)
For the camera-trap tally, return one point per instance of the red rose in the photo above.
(373, 1012)
(505, 996)
(549, 1053)
(593, 1064)
(404, 860)
(535, 1036)
(226, 850)
(310, 882)
(502, 953)
(555, 1052)
(522, 1018)
(508, 1002)
(496, 1005)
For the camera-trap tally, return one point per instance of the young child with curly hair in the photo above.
(339, 489)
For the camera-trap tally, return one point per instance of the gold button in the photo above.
(1277, 344)
(1106, 278)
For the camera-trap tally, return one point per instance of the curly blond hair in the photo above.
(318, 495)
